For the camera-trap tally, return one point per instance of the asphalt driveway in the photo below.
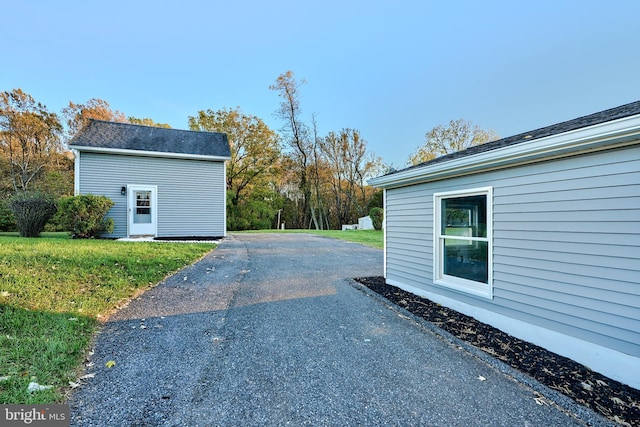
(268, 329)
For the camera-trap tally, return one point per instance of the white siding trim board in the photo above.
(141, 153)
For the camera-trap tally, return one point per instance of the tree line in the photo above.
(295, 176)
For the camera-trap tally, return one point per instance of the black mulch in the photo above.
(608, 397)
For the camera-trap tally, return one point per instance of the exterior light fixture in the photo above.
(123, 190)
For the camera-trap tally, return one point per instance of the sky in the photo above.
(393, 70)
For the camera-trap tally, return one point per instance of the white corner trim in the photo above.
(76, 172)
(614, 364)
(591, 138)
(148, 153)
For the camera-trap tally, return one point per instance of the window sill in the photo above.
(465, 286)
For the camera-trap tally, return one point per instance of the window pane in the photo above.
(467, 260)
(464, 216)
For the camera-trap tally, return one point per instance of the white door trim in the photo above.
(146, 229)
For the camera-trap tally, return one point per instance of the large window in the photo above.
(462, 242)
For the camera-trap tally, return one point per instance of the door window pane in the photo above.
(142, 212)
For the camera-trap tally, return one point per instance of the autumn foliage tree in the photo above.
(255, 152)
(297, 138)
(349, 164)
(458, 135)
(77, 115)
(145, 121)
(30, 139)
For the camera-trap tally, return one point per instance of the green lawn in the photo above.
(371, 238)
(53, 292)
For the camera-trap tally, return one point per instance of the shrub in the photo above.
(83, 215)
(377, 215)
(31, 210)
(7, 221)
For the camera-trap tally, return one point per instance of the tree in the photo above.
(346, 155)
(30, 138)
(297, 137)
(459, 135)
(147, 122)
(255, 150)
(77, 115)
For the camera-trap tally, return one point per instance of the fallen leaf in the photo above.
(481, 378)
(87, 376)
(5, 378)
(74, 385)
(110, 364)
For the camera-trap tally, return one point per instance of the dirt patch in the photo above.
(614, 400)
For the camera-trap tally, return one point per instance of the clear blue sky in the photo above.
(392, 70)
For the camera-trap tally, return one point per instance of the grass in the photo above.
(373, 238)
(53, 293)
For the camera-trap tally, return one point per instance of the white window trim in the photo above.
(456, 283)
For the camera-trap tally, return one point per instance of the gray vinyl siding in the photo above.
(566, 244)
(191, 193)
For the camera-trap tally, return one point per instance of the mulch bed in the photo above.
(608, 397)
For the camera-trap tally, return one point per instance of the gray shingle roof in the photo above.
(581, 122)
(125, 136)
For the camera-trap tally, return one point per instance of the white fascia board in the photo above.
(603, 135)
(148, 153)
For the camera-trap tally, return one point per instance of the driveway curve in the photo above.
(268, 329)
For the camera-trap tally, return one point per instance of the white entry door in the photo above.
(142, 209)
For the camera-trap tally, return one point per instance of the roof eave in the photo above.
(142, 153)
(622, 131)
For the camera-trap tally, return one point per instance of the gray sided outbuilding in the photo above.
(536, 234)
(164, 182)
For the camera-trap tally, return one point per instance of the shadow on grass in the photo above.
(40, 347)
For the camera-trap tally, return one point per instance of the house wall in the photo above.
(191, 193)
(566, 241)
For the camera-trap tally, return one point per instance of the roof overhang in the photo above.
(602, 136)
(124, 152)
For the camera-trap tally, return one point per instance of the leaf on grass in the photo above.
(74, 385)
(110, 364)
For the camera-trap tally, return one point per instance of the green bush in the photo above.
(32, 210)
(377, 215)
(83, 215)
(7, 221)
